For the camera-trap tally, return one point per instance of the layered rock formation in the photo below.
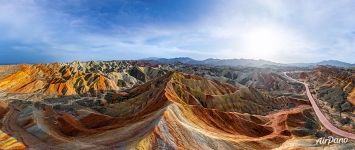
(8, 142)
(267, 80)
(137, 105)
(334, 89)
(42, 81)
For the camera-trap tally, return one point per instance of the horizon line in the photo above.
(153, 58)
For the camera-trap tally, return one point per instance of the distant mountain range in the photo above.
(246, 62)
(335, 63)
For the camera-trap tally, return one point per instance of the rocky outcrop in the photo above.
(76, 78)
(334, 89)
(175, 111)
(10, 143)
(132, 105)
(264, 79)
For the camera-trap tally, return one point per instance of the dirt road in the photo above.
(320, 115)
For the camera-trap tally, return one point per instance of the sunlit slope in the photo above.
(75, 78)
(176, 111)
(8, 142)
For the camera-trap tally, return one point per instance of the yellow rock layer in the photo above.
(9, 143)
(54, 81)
(351, 97)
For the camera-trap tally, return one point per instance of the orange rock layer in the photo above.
(171, 111)
(176, 111)
(53, 79)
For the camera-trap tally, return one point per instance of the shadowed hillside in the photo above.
(148, 106)
(335, 90)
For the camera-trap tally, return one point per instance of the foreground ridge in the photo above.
(108, 105)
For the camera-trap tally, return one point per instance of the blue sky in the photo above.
(286, 31)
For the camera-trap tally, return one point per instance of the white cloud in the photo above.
(282, 31)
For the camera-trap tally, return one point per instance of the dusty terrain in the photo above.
(333, 89)
(141, 105)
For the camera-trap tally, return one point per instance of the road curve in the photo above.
(320, 115)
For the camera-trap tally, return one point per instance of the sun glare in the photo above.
(264, 42)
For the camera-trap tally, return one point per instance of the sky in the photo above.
(284, 31)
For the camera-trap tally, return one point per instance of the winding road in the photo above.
(320, 115)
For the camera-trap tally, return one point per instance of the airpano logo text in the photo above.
(331, 140)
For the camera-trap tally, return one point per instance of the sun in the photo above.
(264, 42)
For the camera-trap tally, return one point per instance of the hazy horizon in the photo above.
(40, 31)
(151, 58)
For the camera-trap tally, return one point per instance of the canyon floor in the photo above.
(147, 105)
